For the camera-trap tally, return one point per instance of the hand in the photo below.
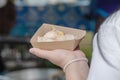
(58, 57)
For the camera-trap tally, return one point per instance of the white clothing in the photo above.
(105, 64)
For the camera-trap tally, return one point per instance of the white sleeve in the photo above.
(105, 64)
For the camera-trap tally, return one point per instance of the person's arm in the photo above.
(105, 64)
(75, 71)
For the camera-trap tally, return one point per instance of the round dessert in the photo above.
(55, 35)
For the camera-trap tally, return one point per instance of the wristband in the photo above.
(74, 60)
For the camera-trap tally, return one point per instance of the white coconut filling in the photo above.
(55, 35)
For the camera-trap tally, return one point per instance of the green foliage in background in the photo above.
(86, 45)
(87, 49)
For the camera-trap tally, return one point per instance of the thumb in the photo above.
(40, 53)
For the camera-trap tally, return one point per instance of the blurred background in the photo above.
(19, 20)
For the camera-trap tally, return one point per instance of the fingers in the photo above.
(40, 53)
(77, 48)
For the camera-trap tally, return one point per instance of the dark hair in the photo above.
(7, 18)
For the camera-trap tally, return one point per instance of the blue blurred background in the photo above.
(30, 17)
